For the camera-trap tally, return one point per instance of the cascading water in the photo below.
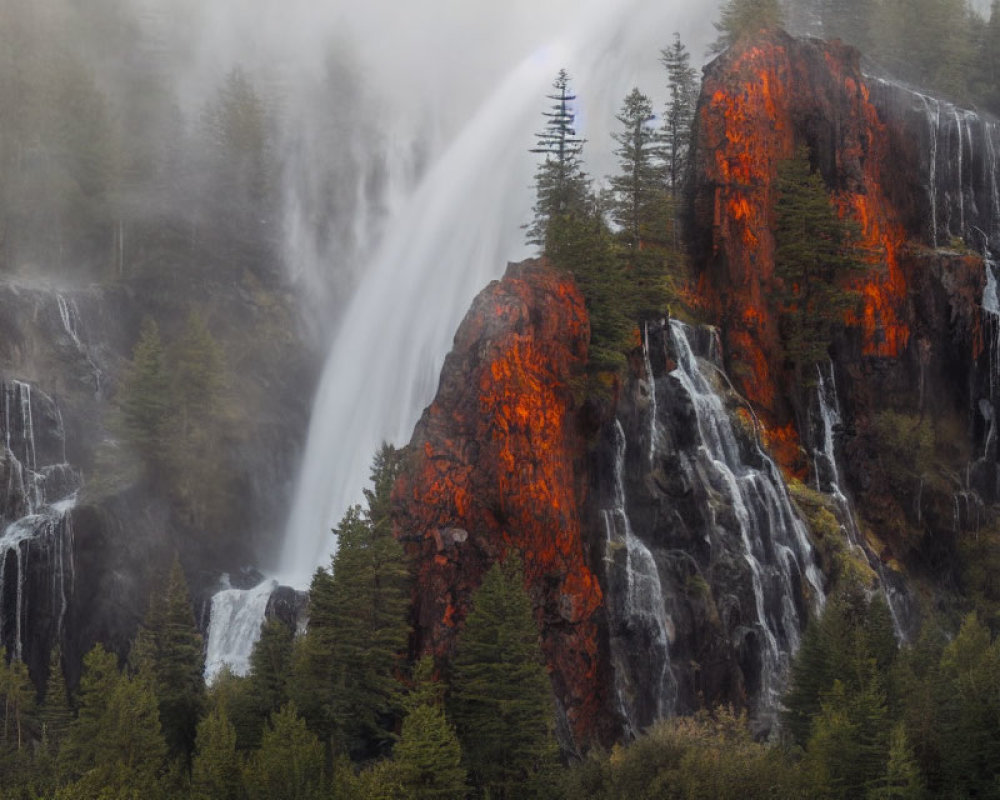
(634, 586)
(454, 234)
(828, 481)
(36, 546)
(752, 526)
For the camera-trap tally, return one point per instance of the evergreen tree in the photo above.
(682, 84)
(55, 714)
(358, 623)
(902, 780)
(144, 396)
(127, 756)
(636, 189)
(289, 762)
(270, 666)
(561, 187)
(740, 18)
(216, 772)
(428, 756)
(815, 253)
(170, 647)
(97, 684)
(501, 698)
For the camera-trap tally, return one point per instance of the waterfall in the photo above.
(236, 617)
(69, 315)
(769, 536)
(828, 481)
(36, 544)
(450, 237)
(644, 626)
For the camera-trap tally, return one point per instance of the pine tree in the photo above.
(144, 396)
(815, 254)
(289, 762)
(902, 779)
(17, 695)
(682, 84)
(636, 189)
(171, 647)
(358, 623)
(740, 18)
(126, 756)
(428, 756)
(97, 684)
(55, 713)
(270, 667)
(561, 187)
(501, 698)
(216, 772)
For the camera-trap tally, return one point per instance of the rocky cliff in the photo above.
(668, 562)
(497, 464)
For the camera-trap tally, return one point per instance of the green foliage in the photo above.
(289, 763)
(741, 18)
(115, 748)
(216, 772)
(428, 756)
(55, 713)
(710, 756)
(345, 668)
(144, 399)
(636, 190)
(169, 648)
(814, 256)
(683, 85)
(561, 187)
(501, 698)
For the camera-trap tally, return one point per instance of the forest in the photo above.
(343, 709)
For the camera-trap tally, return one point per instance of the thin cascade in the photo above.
(37, 540)
(69, 315)
(773, 541)
(828, 481)
(644, 611)
(655, 434)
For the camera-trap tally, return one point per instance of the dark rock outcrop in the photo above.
(496, 465)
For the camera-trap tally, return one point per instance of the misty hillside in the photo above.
(499, 401)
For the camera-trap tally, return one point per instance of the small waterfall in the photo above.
(643, 624)
(69, 315)
(36, 546)
(828, 481)
(770, 538)
(234, 627)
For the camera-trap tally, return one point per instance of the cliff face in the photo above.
(668, 564)
(759, 103)
(497, 465)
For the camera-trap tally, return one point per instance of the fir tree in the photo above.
(428, 756)
(270, 667)
(144, 400)
(289, 762)
(170, 647)
(358, 623)
(815, 254)
(682, 84)
(636, 189)
(55, 714)
(561, 187)
(740, 18)
(216, 771)
(501, 698)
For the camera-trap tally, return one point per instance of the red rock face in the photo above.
(496, 465)
(759, 102)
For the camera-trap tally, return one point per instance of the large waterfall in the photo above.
(453, 234)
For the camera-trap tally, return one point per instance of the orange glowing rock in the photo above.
(498, 454)
(759, 102)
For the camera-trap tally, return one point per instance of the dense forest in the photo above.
(342, 710)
